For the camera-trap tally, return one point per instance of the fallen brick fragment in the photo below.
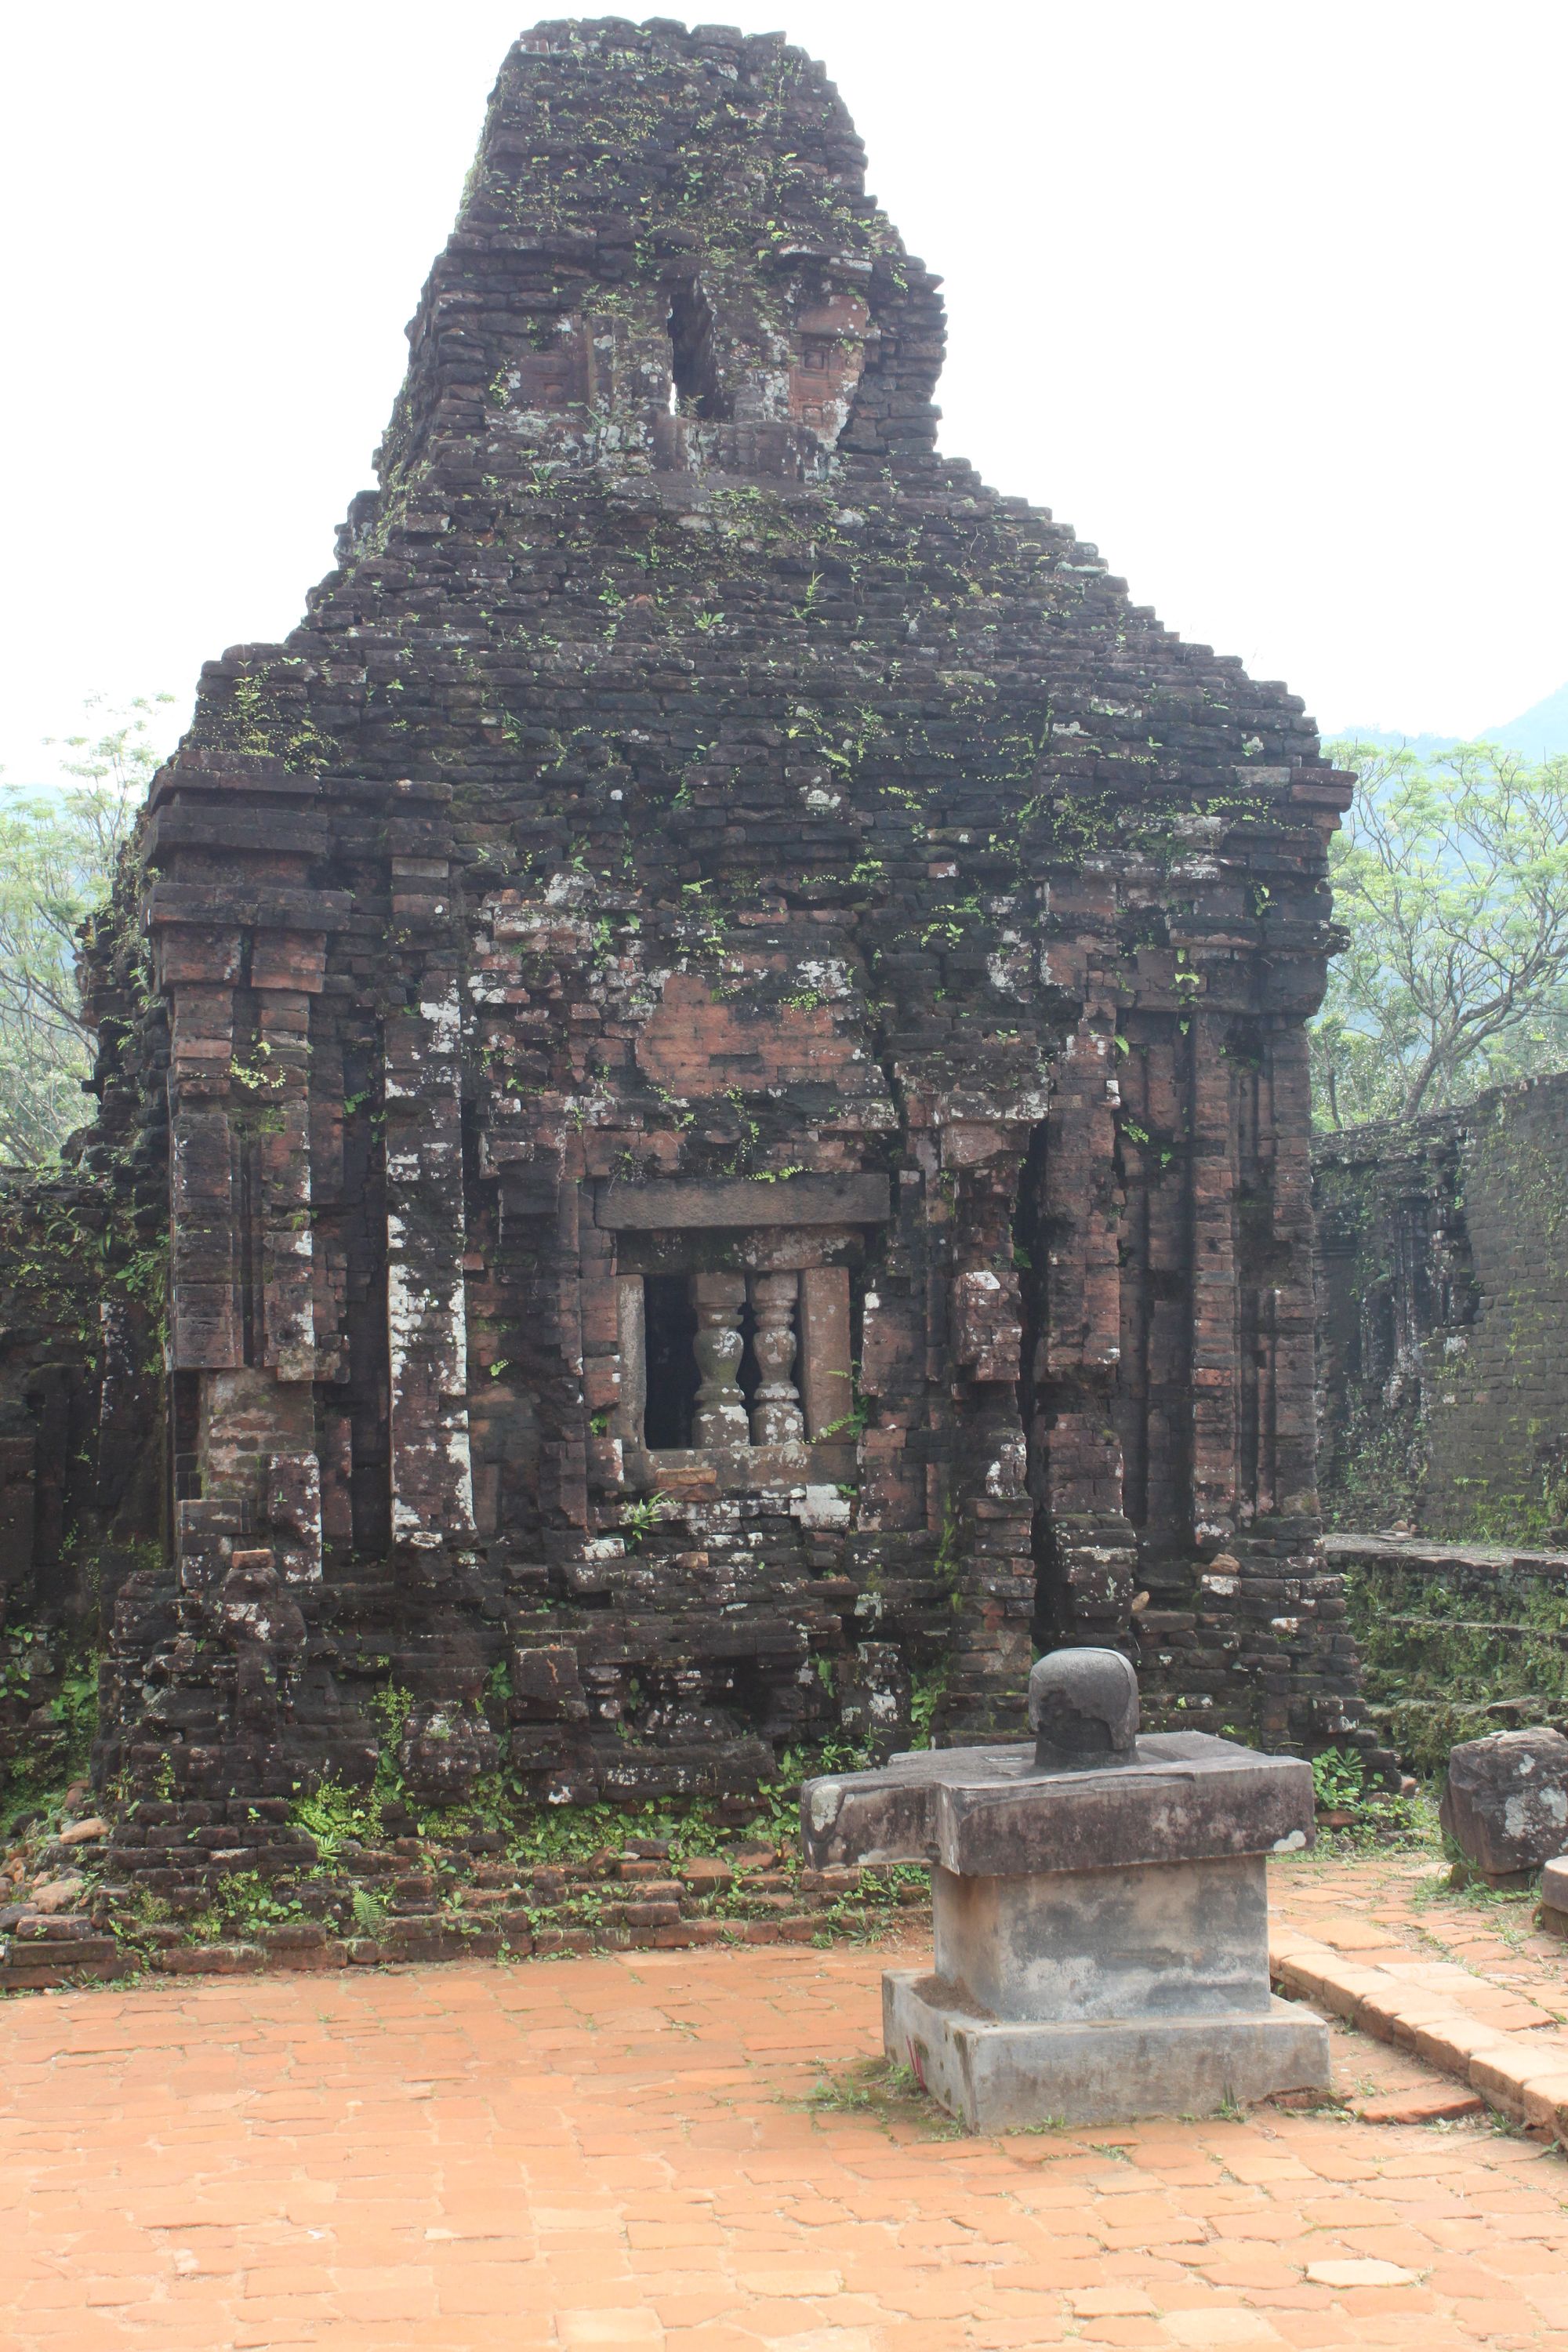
(1423, 2104)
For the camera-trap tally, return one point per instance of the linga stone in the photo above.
(1101, 1910)
(1083, 1710)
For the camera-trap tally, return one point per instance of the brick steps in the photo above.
(44, 1965)
(43, 1951)
(1509, 2051)
(611, 1904)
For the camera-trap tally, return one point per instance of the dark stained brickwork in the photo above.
(1442, 1308)
(736, 1100)
(83, 1284)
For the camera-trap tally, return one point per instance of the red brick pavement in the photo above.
(608, 2152)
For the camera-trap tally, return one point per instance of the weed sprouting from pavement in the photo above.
(889, 2094)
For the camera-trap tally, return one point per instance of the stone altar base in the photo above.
(1097, 1995)
(1099, 1906)
(1009, 2074)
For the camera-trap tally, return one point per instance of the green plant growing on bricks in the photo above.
(1338, 1779)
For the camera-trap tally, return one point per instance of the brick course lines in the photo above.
(1442, 1321)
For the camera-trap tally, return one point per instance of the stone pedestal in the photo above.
(1100, 1925)
(1000, 2077)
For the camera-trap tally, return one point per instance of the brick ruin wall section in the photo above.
(1443, 1319)
(702, 845)
(1456, 1639)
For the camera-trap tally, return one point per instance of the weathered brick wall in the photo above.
(701, 845)
(1443, 1318)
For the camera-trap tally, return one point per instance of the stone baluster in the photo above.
(777, 1416)
(720, 1418)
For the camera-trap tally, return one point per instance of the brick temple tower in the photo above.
(735, 1115)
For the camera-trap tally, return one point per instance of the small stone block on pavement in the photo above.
(1364, 2271)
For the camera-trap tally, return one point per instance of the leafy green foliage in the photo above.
(59, 852)
(37, 1778)
(369, 1911)
(639, 1518)
(334, 1815)
(1378, 1817)
(1339, 1779)
(1451, 879)
(926, 1695)
(246, 1901)
(1369, 1814)
(1440, 1654)
(390, 1707)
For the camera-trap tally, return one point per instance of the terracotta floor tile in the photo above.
(604, 2152)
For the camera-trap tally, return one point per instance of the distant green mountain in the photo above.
(1539, 732)
(1384, 739)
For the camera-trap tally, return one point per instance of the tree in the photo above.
(58, 852)
(1451, 880)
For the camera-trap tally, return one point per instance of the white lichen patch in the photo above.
(827, 1796)
(821, 1506)
(826, 976)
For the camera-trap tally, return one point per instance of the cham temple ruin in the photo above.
(702, 1116)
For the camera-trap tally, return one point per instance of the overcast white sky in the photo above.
(1265, 299)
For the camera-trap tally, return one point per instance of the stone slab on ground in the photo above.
(1368, 2272)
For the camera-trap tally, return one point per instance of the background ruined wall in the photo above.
(1455, 1640)
(1443, 1319)
(689, 789)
